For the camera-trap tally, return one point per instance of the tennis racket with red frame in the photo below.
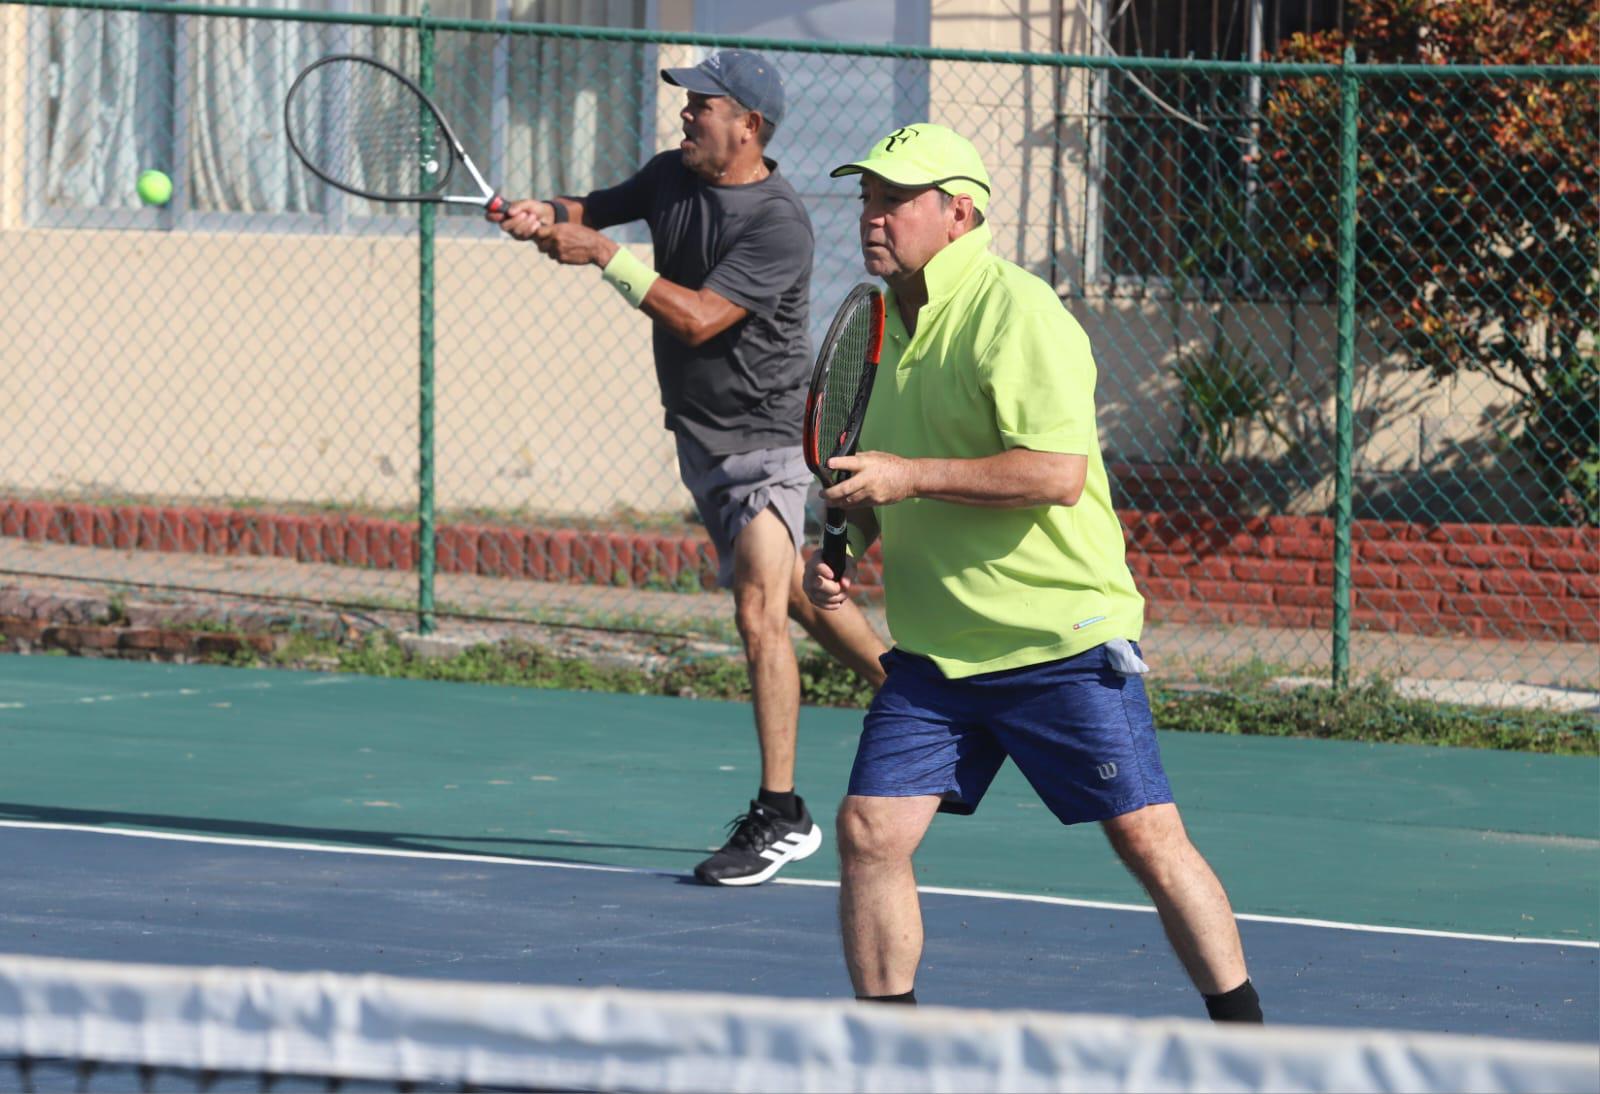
(841, 384)
(362, 126)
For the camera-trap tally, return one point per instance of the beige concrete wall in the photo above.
(1007, 111)
(285, 368)
(1404, 423)
(669, 99)
(676, 16)
(13, 56)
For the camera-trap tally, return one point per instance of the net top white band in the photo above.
(380, 1027)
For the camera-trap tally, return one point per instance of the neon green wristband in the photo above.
(631, 277)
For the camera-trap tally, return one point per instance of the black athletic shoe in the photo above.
(763, 842)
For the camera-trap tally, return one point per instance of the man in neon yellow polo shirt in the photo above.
(1015, 618)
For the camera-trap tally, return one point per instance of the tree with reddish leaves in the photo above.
(1477, 209)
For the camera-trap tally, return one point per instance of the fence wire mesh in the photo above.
(222, 393)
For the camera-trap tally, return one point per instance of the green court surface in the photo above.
(1441, 839)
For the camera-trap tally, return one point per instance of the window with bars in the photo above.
(1171, 194)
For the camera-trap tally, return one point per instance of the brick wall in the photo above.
(1479, 580)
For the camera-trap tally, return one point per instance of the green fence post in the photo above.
(425, 531)
(1344, 442)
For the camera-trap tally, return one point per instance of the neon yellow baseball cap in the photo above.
(924, 154)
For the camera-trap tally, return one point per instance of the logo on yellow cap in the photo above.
(904, 133)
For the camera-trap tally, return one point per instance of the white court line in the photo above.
(1331, 924)
(980, 894)
(328, 848)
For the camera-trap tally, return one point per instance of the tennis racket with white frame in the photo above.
(360, 125)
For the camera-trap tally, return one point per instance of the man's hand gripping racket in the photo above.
(363, 127)
(841, 384)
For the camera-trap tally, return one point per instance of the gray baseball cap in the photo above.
(739, 74)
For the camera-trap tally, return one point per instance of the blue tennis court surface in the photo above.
(119, 897)
(211, 816)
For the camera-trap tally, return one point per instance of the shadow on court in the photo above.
(290, 833)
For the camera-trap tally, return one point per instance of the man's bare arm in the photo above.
(1017, 478)
(693, 316)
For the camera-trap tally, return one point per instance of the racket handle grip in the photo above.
(497, 204)
(834, 542)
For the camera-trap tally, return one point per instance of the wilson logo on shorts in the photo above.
(1107, 772)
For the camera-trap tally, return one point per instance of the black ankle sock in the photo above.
(905, 997)
(782, 802)
(1239, 1005)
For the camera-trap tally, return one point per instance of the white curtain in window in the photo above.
(573, 113)
(109, 89)
(574, 103)
(241, 72)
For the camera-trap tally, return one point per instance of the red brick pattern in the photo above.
(1474, 580)
(92, 624)
(1477, 580)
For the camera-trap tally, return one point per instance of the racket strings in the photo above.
(371, 132)
(847, 370)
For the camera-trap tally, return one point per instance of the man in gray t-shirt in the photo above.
(730, 300)
(744, 388)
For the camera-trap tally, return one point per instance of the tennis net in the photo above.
(88, 1025)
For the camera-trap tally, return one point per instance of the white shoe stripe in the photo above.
(787, 847)
(801, 845)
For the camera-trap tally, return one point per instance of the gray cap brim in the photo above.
(693, 79)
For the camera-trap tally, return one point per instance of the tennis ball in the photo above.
(155, 188)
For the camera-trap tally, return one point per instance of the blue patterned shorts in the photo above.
(1079, 731)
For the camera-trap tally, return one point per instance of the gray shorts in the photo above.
(730, 490)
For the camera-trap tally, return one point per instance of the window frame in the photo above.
(1099, 176)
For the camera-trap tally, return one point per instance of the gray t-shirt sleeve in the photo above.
(627, 201)
(765, 262)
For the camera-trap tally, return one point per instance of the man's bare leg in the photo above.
(763, 562)
(778, 829)
(880, 916)
(1193, 906)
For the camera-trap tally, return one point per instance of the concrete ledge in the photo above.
(441, 646)
(1475, 693)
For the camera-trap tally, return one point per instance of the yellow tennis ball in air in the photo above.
(155, 188)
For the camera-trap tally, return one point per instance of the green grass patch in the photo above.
(1242, 702)
(522, 664)
(1370, 711)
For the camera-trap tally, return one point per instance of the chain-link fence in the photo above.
(1344, 316)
